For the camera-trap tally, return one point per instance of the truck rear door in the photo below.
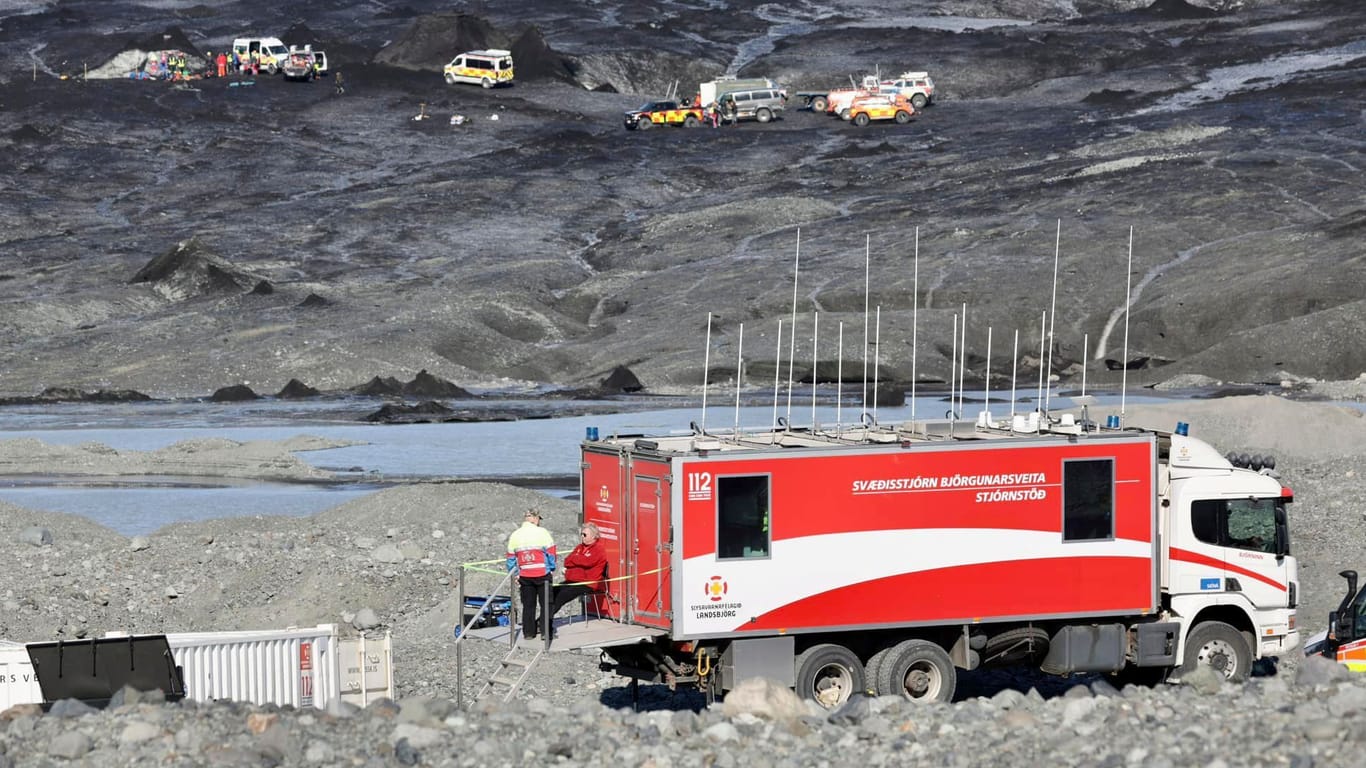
(650, 547)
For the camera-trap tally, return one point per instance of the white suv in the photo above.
(916, 86)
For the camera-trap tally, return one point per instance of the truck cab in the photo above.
(1228, 552)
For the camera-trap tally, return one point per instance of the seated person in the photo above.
(584, 569)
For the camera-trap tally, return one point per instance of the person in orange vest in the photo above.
(531, 553)
(222, 63)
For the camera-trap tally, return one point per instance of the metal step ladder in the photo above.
(513, 670)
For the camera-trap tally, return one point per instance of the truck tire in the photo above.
(486, 83)
(644, 124)
(861, 119)
(872, 669)
(902, 117)
(763, 115)
(819, 104)
(919, 101)
(1220, 647)
(691, 121)
(829, 674)
(450, 79)
(918, 670)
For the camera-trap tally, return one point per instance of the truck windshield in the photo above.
(1248, 524)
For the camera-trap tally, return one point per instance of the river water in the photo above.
(543, 452)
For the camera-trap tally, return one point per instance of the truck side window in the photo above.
(1239, 523)
(1088, 499)
(1252, 524)
(1205, 520)
(742, 517)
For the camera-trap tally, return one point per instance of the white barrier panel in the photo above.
(295, 667)
(18, 684)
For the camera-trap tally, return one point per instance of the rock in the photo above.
(722, 733)
(70, 708)
(1347, 701)
(762, 697)
(138, 731)
(365, 619)
(235, 393)
(852, 712)
(1317, 670)
(70, 745)
(36, 536)
(1203, 680)
(139, 543)
(386, 553)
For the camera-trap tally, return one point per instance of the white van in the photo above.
(272, 51)
(487, 68)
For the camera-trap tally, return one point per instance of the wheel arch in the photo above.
(1235, 616)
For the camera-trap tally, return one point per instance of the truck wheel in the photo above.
(691, 121)
(902, 117)
(829, 674)
(919, 101)
(450, 79)
(861, 119)
(819, 104)
(1220, 647)
(918, 670)
(486, 83)
(644, 124)
(873, 669)
(763, 115)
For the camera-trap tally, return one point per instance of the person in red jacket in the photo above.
(584, 569)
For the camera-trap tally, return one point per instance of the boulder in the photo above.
(235, 393)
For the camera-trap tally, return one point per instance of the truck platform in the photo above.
(574, 634)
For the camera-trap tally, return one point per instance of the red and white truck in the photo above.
(886, 559)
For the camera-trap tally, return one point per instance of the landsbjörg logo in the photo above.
(716, 589)
(603, 495)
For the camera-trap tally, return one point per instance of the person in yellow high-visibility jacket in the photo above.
(531, 552)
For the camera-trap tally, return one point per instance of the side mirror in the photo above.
(1332, 625)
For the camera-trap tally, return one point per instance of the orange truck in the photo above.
(865, 109)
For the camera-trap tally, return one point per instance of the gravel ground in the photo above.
(396, 551)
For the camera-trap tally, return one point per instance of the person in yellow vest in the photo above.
(531, 553)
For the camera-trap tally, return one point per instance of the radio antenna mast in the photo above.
(915, 311)
(986, 397)
(963, 360)
(1014, 370)
(792, 352)
(777, 366)
(1124, 375)
(877, 357)
(867, 256)
(1052, 315)
(739, 374)
(839, 383)
(815, 349)
(706, 370)
(953, 365)
(1043, 324)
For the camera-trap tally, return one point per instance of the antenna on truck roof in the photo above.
(739, 374)
(915, 319)
(1124, 375)
(867, 255)
(706, 370)
(777, 368)
(1052, 316)
(792, 343)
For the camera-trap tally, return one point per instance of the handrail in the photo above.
(465, 628)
